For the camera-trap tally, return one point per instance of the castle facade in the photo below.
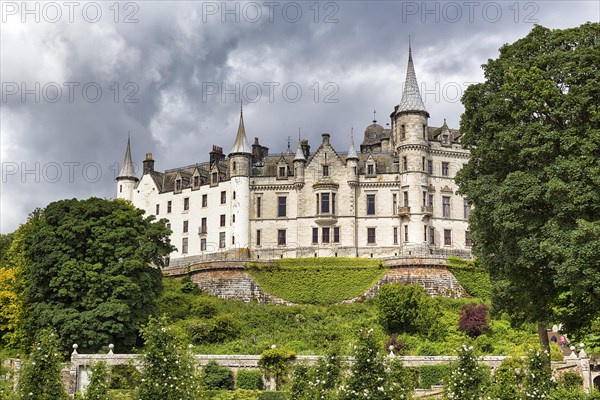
(396, 196)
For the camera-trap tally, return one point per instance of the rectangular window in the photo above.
(222, 220)
(157, 209)
(371, 235)
(203, 225)
(186, 204)
(315, 235)
(333, 203)
(402, 132)
(445, 168)
(405, 233)
(325, 170)
(281, 237)
(370, 169)
(221, 240)
(445, 139)
(258, 207)
(185, 226)
(445, 206)
(325, 235)
(203, 244)
(370, 204)
(258, 237)
(168, 225)
(431, 201)
(169, 204)
(447, 237)
(466, 209)
(467, 239)
(394, 203)
(424, 199)
(336, 235)
(196, 181)
(430, 167)
(404, 163)
(223, 197)
(423, 164)
(425, 132)
(395, 235)
(318, 204)
(431, 235)
(282, 172)
(204, 200)
(184, 246)
(281, 206)
(325, 203)
(405, 198)
(425, 233)
(215, 178)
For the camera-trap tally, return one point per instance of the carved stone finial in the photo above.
(111, 348)
(75, 347)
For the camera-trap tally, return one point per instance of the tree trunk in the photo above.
(543, 336)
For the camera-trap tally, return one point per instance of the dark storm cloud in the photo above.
(177, 51)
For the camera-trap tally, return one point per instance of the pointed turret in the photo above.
(241, 146)
(127, 170)
(352, 151)
(411, 97)
(299, 153)
(126, 181)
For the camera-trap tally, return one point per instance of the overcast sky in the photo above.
(78, 77)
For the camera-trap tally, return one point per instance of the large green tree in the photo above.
(93, 271)
(533, 128)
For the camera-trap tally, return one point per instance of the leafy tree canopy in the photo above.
(93, 271)
(533, 128)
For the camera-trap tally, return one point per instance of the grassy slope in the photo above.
(317, 280)
(310, 329)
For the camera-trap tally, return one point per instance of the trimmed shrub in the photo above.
(474, 319)
(216, 377)
(430, 375)
(274, 396)
(406, 308)
(249, 379)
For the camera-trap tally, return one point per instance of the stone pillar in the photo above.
(586, 373)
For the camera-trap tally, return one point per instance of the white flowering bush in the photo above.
(40, 377)
(374, 376)
(98, 387)
(168, 370)
(537, 382)
(468, 378)
(319, 382)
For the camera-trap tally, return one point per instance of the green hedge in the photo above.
(243, 395)
(317, 280)
(249, 379)
(429, 375)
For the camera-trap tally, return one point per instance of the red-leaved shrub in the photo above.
(474, 320)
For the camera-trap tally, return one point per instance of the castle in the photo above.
(397, 196)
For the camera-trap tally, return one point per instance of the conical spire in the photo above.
(411, 97)
(299, 153)
(241, 143)
(127, 170)
(352, 152)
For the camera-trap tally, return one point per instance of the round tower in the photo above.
(126, 181)
(240, 165)
(412, 146)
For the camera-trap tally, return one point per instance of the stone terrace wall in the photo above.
(227, 279)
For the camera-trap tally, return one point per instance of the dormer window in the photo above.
(196, 182)
(281, 171)
(178, 185)
(215, 178)
(445, 139)
(370, 169)
(325, 170)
